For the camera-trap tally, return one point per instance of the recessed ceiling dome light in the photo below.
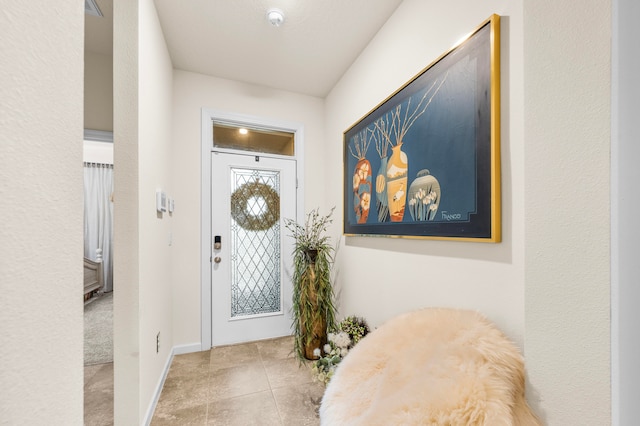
(275, 17)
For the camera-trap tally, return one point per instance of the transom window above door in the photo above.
(235, 136)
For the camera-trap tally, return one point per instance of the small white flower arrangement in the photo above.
(423, 205)
(349, 332)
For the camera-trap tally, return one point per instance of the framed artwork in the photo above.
(425, 163)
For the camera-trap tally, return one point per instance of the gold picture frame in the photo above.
(425, 163)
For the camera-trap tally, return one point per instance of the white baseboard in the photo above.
(187, 349)
(156, 394)
(176, 350)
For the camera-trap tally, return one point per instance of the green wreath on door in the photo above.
(240, 209)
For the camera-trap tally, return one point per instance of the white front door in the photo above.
(251, 286)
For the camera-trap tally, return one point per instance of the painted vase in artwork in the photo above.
(423, 198)
(362, 190)
(397, 168)
(382, 202)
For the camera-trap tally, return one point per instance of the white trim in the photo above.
(98, 135)
(205, 230)
(253, 153)
(176, 350)
(158, 390)
(187, 349)
(207, 117)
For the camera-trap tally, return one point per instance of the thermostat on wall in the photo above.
(161, 201)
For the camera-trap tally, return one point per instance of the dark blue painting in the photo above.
(425, 162)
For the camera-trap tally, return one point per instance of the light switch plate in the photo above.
(161, 201)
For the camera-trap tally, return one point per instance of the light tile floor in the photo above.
(258, 383)
(98, 395)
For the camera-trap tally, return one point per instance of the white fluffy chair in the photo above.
(430, 367)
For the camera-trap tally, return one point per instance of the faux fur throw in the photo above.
(430, 367)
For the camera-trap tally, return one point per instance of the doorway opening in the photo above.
(266, 154)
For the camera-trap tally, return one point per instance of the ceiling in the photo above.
(233, 39)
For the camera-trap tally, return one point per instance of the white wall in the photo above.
(555, 145)
(155, 172)
(142, 265)
(382, 277)
(98, 91)
(625, 152)
(567, 209)
(126, 238)
(41, 131)
(191, 92)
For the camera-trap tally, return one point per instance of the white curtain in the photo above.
(98, 216)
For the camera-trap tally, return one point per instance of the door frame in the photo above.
(208, 116)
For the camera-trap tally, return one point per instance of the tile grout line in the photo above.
(268, 357)
(275, 401)
(209, 384)
(262, 361)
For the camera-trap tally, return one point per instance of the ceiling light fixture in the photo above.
(275, 17)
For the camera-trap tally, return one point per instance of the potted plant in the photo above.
(346, 335)
(313, 305)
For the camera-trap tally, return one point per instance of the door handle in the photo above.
(217, 259)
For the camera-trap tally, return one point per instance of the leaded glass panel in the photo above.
(255, 242)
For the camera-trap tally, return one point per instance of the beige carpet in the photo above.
(98, 330)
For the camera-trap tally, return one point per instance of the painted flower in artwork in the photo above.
(365, 201)
(362, 190)
(424, 196)
(363, 170)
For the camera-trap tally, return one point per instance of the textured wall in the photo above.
(142, 253)
(547, 283)
(126, 239)
(567, 143)
(41, 213)
(382, 277)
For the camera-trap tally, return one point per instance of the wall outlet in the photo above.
(158, 342)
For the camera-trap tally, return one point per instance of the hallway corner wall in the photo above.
(142, 252)
(567, 209)
(41, 129)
